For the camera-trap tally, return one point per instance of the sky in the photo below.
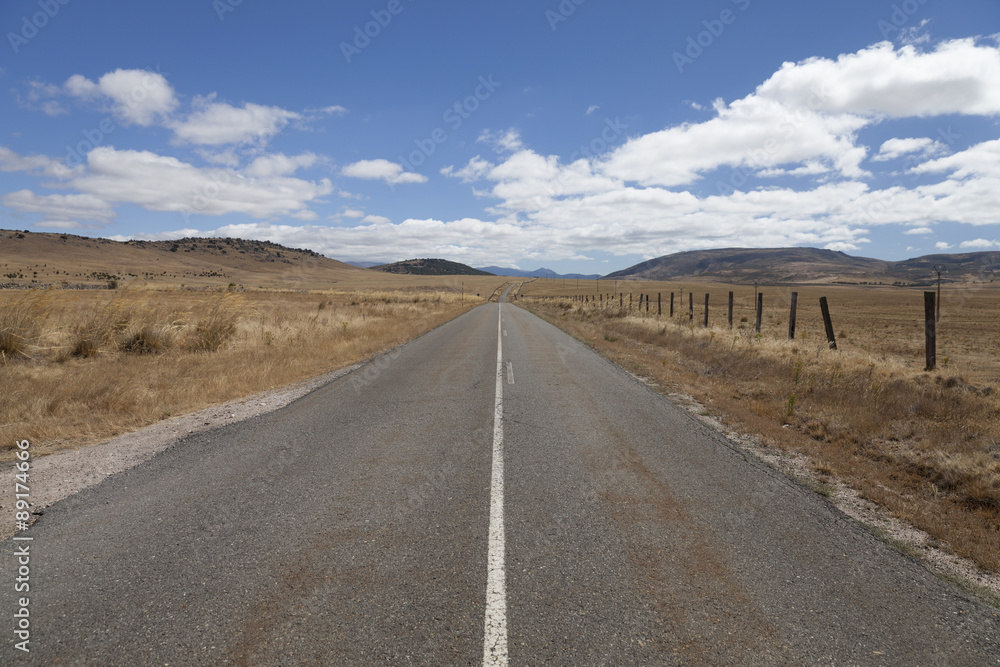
(579, 135)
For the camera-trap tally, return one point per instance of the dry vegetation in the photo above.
(924, 445)
(81, 366)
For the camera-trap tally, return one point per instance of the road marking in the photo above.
(495, 637)
(510, 372)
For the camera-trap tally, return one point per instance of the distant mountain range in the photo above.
(537, 273)
(431, 267)
(809, 265)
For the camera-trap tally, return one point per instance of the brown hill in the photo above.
(431, 267)
(30, 258)
(809, 265)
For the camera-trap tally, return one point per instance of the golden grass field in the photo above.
(924, 445)
(80, 366)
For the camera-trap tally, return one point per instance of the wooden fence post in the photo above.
(671, 304)
(930, 331)
(659, 304)
(828, 323)
(691, 306)
(791, 316)
(647, 303)
(760, 310)
(706, 309)
(730, 310)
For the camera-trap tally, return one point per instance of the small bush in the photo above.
(99, 330)
(217, 327)
(147, 339)
(21, 324)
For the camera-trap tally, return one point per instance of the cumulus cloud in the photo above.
(942, 245)
(919, 231)
(68, 209)
(136, 97)
(38, 164)
(279, 164)
(383, 170)
(957, 77)
(978, 243)
(809, 113)
(919, 147)
(162, 183)
(218, 123)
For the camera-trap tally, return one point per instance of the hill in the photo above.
(431, 267)
(808, 265)
(33, 258)
(537, 273)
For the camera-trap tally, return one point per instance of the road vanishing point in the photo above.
(493, 492)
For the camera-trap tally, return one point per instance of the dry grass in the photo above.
(93, 364)
(925, 445)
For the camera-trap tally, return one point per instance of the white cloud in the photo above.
(507, 141)
(61, 208)
(895, 148)
(753, 133)
(474, 170)
(942, 245)
(383, 170)
(137, 97)
(218, 123)
(919, 230)
(161, 183)
(39, 164)
(375, 220)
(352, 213)
(957, 77)
(279, 164)
(809, 113)
(591, 109)
(841, 247)
(978, 243)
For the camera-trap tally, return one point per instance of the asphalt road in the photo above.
(353, 527)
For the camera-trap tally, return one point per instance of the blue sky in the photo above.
(581, 135)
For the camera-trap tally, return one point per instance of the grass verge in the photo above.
(83, 366)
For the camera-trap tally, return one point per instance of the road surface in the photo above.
(492, 492)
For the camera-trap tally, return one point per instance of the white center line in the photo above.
(495, 638)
